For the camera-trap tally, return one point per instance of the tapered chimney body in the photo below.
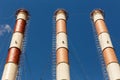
(15, 49)
(62, 65)
(108, 52)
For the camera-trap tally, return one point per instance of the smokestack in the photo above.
(15, 49)
(62, 65)
(108, 52)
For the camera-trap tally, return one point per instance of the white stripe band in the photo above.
(10, 71)
(22, 15)
(61, 40)
(62, 72)
(17, 40)
(114, 71)
(97, 16)
(60, 16)
(105, 41)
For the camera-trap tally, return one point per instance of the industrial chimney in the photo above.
(112, 66)
(62, 65)
(15, 49)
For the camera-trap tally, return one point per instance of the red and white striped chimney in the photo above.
(15, 49)
(112, 65)
(62, 65)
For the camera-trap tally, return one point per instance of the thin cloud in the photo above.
(5, 29)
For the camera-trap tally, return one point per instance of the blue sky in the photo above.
(83, 54)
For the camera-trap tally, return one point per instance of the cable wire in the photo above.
(21, 67)
(100, 54)
(54, 50)
(72, 52)
(3, 52)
